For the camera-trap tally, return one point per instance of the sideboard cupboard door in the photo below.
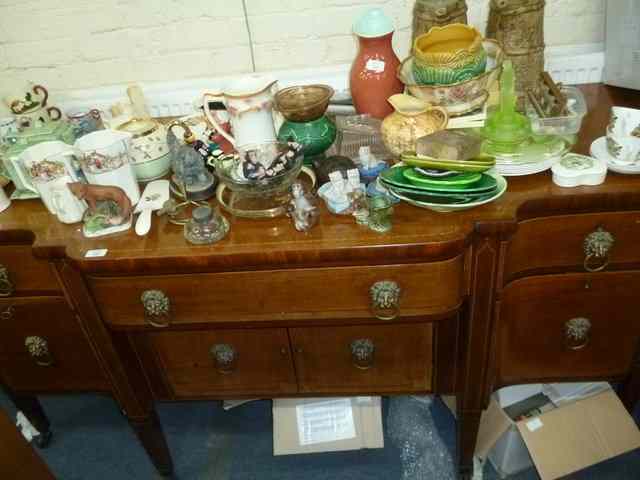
(43, 347)
(22, 274)
(223, 363)
(364, 359)
(568, 326)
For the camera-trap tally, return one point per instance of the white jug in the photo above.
(50, 167)
(106, 160)
(249, 103)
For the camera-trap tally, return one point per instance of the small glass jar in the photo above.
(205, 226)
(380, 212)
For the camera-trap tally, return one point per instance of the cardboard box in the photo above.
(326, 424)
(560, 441)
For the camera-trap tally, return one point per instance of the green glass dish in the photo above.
(460, 179)
(395, 177)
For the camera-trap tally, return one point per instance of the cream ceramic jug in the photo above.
(249, 102)
(106, 159)
(50, 166)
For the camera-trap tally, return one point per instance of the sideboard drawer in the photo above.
(364, 358)
(224, 363)
(560, 241)
(572, 325)
(43, 347)
(23, 274)
(338, 292)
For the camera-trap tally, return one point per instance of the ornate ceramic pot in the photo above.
(411, 120)
(315, 136)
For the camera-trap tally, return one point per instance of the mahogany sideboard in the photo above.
(461, 303)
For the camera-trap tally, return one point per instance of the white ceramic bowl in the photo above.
(152, 169)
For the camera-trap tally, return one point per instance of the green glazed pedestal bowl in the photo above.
(428, 74)
(315, 136)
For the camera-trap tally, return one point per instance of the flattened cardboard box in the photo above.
(367, 420)
(568, 438)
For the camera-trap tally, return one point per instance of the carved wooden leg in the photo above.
(468, 424)
(149, 432)
(30, 406)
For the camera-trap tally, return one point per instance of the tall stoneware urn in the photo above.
(373, 76)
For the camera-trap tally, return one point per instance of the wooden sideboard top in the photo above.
(417, 234)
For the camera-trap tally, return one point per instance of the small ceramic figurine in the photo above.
(109, 208)
(188, 164)
(303, 208)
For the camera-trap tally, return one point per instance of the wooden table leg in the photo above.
(31, 408)
(630, 392)
(150, 434)
(468, 424)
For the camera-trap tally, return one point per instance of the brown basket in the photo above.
(303, 103)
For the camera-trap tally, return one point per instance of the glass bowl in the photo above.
(303, 103)
(231, 169)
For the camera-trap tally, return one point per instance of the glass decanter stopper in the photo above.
(205, 226)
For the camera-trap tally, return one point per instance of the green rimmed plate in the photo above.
(395, 177)
(479, 164)
(421, 180)
(455, 207)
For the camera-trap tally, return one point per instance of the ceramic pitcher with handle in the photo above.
(106, 159)
(49, 167)
(249, 102)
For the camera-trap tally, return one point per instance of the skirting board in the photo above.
(571, 65)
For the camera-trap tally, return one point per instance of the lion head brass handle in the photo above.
(225, 357)
(363, 353)
(577, 333)
(596, 248)
(38, 348)
(385, 299)
(6, 287)
(156, 308)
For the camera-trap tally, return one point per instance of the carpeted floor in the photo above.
(93, 442)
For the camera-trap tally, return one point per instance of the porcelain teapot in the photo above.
(249, 103)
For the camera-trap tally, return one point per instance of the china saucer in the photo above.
(599, 150)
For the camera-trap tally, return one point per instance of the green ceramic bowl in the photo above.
(315, 136)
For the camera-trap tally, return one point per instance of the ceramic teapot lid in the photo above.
(374, 23)
(139, 127)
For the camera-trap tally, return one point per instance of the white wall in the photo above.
(70, 44)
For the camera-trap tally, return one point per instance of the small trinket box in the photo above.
(575, 170)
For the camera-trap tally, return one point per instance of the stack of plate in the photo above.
(439, 191)
(533, 156)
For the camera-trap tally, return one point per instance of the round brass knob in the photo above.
(385, 299)
(577, 333)
(156, 308)
(7, 313)
(363, 353)
(597, 246)
(224, 357)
